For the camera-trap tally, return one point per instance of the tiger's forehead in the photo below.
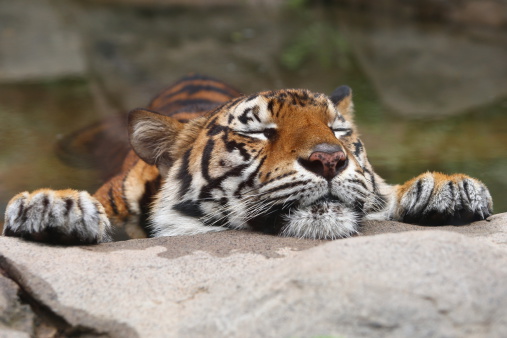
(269, 107)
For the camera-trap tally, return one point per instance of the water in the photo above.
(428, 96)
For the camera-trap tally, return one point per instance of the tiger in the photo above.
(204, 158)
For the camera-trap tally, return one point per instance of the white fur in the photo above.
(88, 220)
(165, 221)
(175, 224)
(335, 221)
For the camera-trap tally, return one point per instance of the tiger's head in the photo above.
(287, 162)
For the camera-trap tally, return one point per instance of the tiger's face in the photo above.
(287, 162)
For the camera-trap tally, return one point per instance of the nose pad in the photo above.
(327, 160)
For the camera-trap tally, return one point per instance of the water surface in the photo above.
(428, 96)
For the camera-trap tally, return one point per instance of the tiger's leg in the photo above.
(437, 199)
(76, 217)
(57, 216)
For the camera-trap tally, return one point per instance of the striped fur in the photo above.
(204, 158)
(127, 196)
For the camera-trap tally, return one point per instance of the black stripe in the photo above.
(80, 207)
(249, 181)
(193, 88)
(150, 189)
(358, 206)
(21, 208)
(232, 145)
(243, 118)
(428, 200)
(270, 106)
(206, 158)
(280, 107)
(465, 187)
(112, 201)
(229, 104)
(190, 78)
(361, 183)
(124, 198)
(296, 99)
(277, 177)
(373, 182)
(24, 215)
(183, 175)
(190, 102)
(197, 109)
(215, 183)
(284, 186)
(196, 77)
(189, 208)
(255, 114)
(359, 147)
(69, 203)
(419, 190)
(212, 122)
(271, 221)
(45, 204)
(451, 187)
(280, 198)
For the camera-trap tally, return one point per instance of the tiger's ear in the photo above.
(342, 99)
(151, 135)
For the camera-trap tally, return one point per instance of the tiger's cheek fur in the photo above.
(208, 183)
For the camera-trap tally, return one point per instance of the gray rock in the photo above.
(438, 282)
(16, 319)
(493, 230)
(422, 72)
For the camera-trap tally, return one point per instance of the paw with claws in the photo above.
(437, 199)
(59, 217)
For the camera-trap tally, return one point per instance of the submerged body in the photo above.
(205, 158)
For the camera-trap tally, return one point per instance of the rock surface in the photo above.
(15, 319)
(395, 280)
(444, 72)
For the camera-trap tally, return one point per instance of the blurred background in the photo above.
(429, 76)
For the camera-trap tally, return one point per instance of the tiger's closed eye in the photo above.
(264, 134)
(340, 132)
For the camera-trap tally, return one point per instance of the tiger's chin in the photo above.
(323, 220)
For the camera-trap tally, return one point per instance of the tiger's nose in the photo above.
(326, 160)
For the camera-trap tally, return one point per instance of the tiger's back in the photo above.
(191, 97)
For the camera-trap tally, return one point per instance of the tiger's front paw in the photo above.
(57, 216)
(437, 199)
